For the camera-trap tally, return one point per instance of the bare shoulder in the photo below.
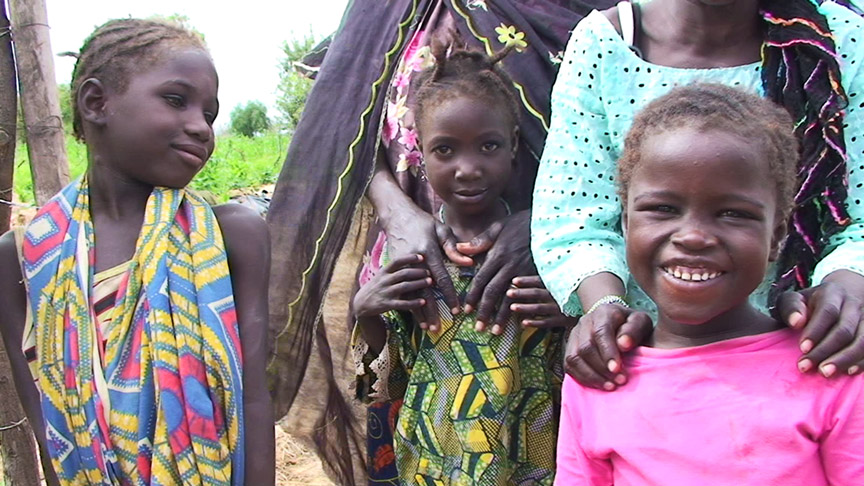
(245, 232)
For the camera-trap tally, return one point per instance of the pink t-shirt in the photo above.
(734, 412)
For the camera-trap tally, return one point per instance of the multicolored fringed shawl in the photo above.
(155, 398)
(801, 71)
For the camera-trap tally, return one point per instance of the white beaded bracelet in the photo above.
(608, 299)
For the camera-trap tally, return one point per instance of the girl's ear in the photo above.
(514, 140)
(777, 240)
(91, 99)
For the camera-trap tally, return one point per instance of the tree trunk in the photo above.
(17, 444)
(39, 98)
(8, 112)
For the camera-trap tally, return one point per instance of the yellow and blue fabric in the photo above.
(160, 403)
(479, 409)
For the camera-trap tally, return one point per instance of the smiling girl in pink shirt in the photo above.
(707, 179)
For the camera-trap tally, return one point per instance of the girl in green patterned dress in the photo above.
(479, 407)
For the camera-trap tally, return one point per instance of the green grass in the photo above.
(237, 163)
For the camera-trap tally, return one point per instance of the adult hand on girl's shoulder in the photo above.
(507, 244)
(831, 316)
(414, 232)
(535, 305)
(593, 350)
(247, 243)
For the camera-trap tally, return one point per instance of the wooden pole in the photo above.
(39, 98)
(8, 112)
(17, 443)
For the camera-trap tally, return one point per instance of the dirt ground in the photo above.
(296, 465)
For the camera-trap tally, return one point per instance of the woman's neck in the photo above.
(691, 34)
(466, 226)
(740, 321)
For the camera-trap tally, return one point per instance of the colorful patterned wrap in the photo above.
(478, 410)
(161, 402)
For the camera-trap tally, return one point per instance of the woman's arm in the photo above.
(575, 230)
(575, 226)
(13, 301)
(248, 246)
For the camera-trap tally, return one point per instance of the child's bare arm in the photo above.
(13, 301)
(391, 289)
(248, 245)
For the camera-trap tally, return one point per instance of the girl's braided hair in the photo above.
(117, 48)
(460, 71)
(800, 71)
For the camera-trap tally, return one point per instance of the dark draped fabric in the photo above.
(331, 159)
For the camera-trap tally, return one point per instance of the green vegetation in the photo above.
(293, 87)
(250, 119)
(238, 163)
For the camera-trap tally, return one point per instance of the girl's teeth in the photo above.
(691, 277)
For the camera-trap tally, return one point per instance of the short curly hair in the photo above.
(715, 106)
(119, 48)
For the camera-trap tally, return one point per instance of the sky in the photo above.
(245, 42)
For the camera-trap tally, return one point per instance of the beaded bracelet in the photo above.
(608, 299)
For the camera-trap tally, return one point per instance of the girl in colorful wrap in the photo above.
(141, 309)
(707, 181)
(479, 408)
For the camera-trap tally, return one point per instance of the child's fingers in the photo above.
(402, 262)
(548, 322)
(529, 295)
(406, 275)
(529, 281)
(535, 309)
(408, 286)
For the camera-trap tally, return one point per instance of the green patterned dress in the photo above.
(479, 410)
